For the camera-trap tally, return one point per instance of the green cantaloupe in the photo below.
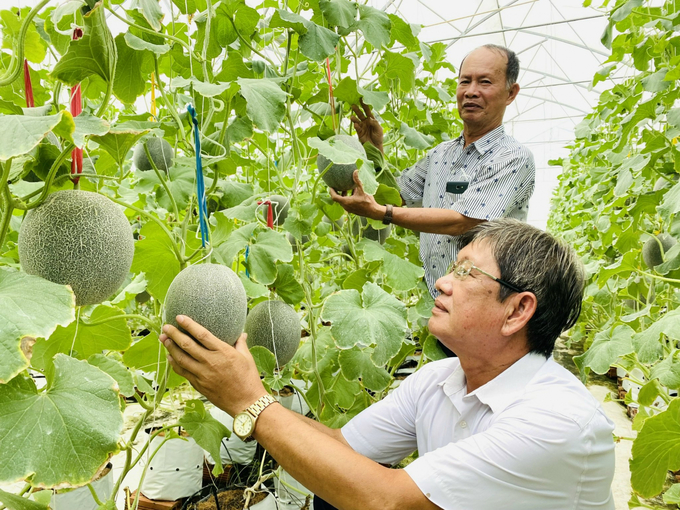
(336, 225)
(276, 326)
(293, 241)
(371, 233)
(339, 177)
(161, 154)
(213, 296)
(651, 252)
(280, 206)
(81, 239)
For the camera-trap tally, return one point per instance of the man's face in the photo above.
(482, 94)
(467, 314)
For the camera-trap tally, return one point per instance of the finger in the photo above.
(202, 335)
(241, 346)
(180, 358)
(355, 121)
(358, 111)
(172, 335)
(180, 371)
(357, 181)
(335, 196)
(367, 109)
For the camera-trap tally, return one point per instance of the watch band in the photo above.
(256, 409)
(388, 214)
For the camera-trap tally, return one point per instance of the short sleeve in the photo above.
(503, 185)
(535, 459)
(412, 181)
(386, 431)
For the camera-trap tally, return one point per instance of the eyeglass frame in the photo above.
(455, 265)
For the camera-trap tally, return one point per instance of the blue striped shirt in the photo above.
(501, 173)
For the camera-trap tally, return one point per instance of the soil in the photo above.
(286, 391)
(229, 500)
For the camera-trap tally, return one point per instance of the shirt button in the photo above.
(463, 424)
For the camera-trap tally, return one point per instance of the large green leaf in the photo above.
(287, 286)
(63, 434)
(106, 329)
(318, 42)
(607, 347)
(266, 102)
(206, 430)
(286, 19)
(137, 43)
(269, 248)
(149, 355)
(87, 125)
(375, 25)
(20, 134)
(401, 68)
(237, 241)
(656, 450)
(93, 54)
(356, 365)
(22, 315)
(399, 273)
(414, 138)
(154, 256)
(647, 344)
(340, 13)
(668, 371)
(151, 11)
(116, 370)
(119, 142)
(129, 83)
(14, 502)
(372, 318)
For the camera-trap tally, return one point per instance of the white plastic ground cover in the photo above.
(289, 491)
(175, 472)
(81, 498)
(233, 450)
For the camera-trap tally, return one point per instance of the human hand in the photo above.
(359, 202)
(226, 375)
(367, 127)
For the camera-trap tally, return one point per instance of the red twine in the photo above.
(330, 92)
(28, 87)
(270, 212)
(76, 108)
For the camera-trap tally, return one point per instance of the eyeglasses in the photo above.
(461, 269)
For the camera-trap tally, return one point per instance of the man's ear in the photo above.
(521, 308)
(512, 93)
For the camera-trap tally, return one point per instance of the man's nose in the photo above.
(471, 90)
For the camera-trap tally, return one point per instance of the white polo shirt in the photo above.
(533, 438)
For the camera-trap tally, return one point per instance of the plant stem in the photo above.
(94, 494)
(138, 317)
(8, 208)
(170, 107)
(163, 183)
(662, 278)
(244, 41)
(16, 64)
(50, 178)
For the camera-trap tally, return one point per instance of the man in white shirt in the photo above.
(501, 426)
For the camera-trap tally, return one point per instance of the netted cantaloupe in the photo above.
(651, 251)
(340, 177)
(371, 233)
(161, 154)
(276, 326)
(213, 296)
(280, 206)
(81, 239)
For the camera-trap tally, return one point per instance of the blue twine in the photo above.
(200, 184)
(246, 261)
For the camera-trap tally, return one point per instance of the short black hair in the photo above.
(534, 260)
(512, 66)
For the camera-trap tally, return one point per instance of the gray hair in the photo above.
(512, 66)
(535, 261)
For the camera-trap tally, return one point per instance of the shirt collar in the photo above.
(485, 142)
(502, 390)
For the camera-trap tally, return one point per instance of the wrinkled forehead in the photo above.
(484, 61)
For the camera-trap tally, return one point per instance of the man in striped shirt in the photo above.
(497, 171)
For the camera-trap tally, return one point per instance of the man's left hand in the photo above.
(359, 202)
(226, 375)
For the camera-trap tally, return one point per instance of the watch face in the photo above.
(243, 425)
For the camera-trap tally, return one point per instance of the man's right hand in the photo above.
(367, 127)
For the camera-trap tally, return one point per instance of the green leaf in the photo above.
(86, 125)
(356, 279)
(64, 434)
(253, 290)
(206, 430)
(432, 349)
(93, 54)
(656, 450)
(655, 82)
(399, 273)
(338, 152)
(154, 256)
(151, 11)
(269, 247)
(387, 195)
(375, 25)
(399, 67)
(20, 134)
(318, 42)
(149, 355)
(623, 183)
(607, 347)
(118, 143)
(14, 502)
(668, 372)
(647, 344)
(375, 98)
(202, 87)
(403, 32)
(237, 241)
(373, 317)
(22, 315)
(285, 19)
(287, 286)
(671, 202)
(266, 102)
(356, 365)
(83, 339)
(129, 82)
(299, 220)
(347, 91)
(414, 138)
(116, 370)
(139, 44)
(264, 359)
(672, 495)
(339, 13)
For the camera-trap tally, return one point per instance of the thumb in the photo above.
(357, 181)
(241, 346)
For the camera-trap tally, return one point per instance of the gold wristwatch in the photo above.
(244, 422)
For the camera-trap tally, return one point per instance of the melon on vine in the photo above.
(651, 250)
(274, 325)
(339, 177)
(213, 296)
(161, 154)
(81, 239)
